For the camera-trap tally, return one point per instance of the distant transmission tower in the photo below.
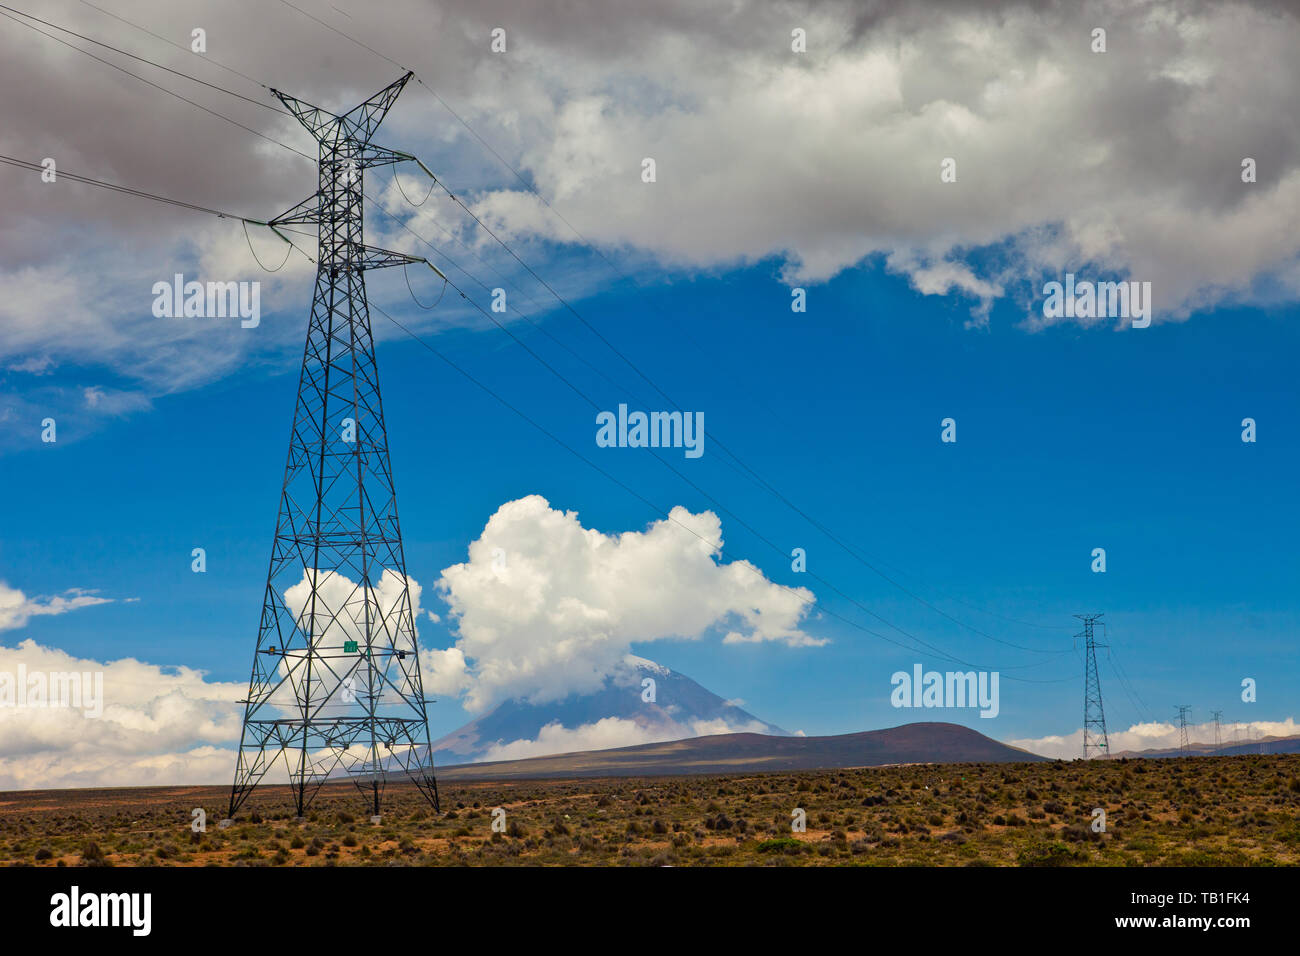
(335, 685)
(1095, 740)
(1218, 740)
(1256, 736)
(1183, 711)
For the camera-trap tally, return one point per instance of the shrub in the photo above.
(1042, 853)
(91, 853)
(780, 845)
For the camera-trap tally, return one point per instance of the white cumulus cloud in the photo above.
(545, 607)
(157, 725)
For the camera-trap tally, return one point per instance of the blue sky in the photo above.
(1068, 439)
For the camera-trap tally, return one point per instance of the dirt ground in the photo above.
(1200, 811)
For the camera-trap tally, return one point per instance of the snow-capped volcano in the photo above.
(642, 702)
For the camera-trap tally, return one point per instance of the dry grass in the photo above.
(1223, 811)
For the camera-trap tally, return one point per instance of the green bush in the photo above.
(1041, 853)
(780, 845)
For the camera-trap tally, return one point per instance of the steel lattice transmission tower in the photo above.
(335, 685)
(1183, 711)
(1095, 740)
(1218, 738)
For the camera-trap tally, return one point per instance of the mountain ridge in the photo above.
(926, 742)
(1263, 745)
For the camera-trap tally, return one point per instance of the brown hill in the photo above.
(745, 753)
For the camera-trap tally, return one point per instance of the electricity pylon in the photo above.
(1094, 716)
(1183, 711)
(1218, 739)
(335, 684)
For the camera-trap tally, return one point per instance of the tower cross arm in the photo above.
(316, 120)
(357, 125)
(304, 213)
(364, 118)
(371, 257)
(380, 156)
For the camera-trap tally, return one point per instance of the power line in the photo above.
(741, 521)
(527, 318)
(73, 46)
(763, 483)
(377, 205)
(565, 380)
(222, 89)
(130, 191)
(632, 365)
(346, 37)
(695, 486)
(420, 304)
(181, 204)
(1124, 686)
(195, 79)
(1122, 676)
(657, 508)
(287, 253)
(208, 210)
(755, 476)
(578, 391)
(13, 161)
(398, 183)
(181, 47)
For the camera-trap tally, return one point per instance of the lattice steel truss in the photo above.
(335, 686)
(1095, 740)
(1183, 711)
